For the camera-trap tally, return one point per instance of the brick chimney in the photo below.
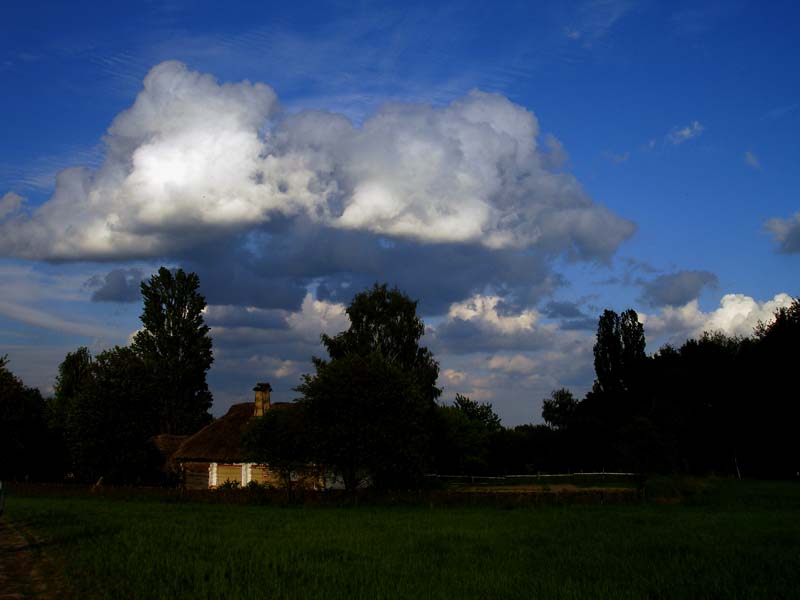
(262, 391)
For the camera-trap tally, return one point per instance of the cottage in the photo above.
(214, 455)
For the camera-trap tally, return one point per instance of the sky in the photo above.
(517, 168)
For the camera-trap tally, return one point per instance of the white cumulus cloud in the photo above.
(193, 159)
(318, 316)
(484, 310)
(737, 314)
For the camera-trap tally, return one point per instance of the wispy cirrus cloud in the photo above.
(679, 135)
(54, 322)
(617, 159)
(40, 173)
(701, 18)
(594, 19)
(751, 160)
(780, 112)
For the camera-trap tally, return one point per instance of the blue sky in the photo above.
(659, 171)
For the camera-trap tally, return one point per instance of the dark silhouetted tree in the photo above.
(772, 402)
(372, 404)
(466, 437)
(281, 439)
(559, 410)
(74, 373)
(619, 352)
(369, 420)
(176, 349)
(386, 321)
(25, 450)
(111, 416)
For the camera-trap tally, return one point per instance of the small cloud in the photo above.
(678, 135)
(276, 367)
(10, 203)
(650, 145)
(780, 111)
(118, 285)
(676, 289)
(696, 21)
(318, 316)
(515, 363)
(566, 310)
(454, 376)
(786, 232)
(617, 158)
(594, 19)
(752, 160)
(582, 324)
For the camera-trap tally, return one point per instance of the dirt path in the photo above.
(25, 572)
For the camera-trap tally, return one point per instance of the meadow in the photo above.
(714, 539)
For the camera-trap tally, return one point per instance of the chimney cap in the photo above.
(262, 387)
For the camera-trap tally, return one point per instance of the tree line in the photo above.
(371, 412)
(106, 408)
(717, 404)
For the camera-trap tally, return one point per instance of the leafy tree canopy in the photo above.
(479, 412)
(176, 348)
(385, 321)
(463, 443)
(281, 440)
(559, 410)
(74, 373)
(111, 418)
(23, 429)
(619, 351)
(372, 405)
(369, 420)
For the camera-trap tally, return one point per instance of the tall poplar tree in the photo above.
(176, 348)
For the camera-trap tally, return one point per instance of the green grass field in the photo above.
(726, 540)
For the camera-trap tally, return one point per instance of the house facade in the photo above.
(214, 456)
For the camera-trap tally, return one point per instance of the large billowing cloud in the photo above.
(286, 216)
(194, 160)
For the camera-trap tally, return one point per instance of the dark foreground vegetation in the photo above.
(708, 538)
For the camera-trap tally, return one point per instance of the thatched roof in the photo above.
(220, 440)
